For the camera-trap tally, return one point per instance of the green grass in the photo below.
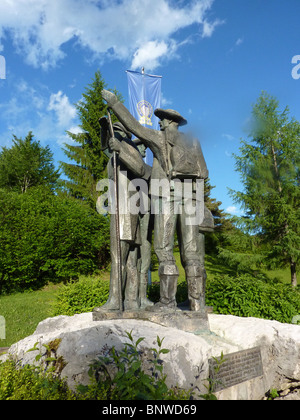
(23, 312)
(283, 275)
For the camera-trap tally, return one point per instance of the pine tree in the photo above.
(90, 161)
(222, 222)
(270, 173)
(27, 164)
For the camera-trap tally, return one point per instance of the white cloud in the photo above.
(228, 137)
(60, 104)
(239, 41)
(149, 54)
(209, 27)
(232, 210)
(47, 115)
(123, 29)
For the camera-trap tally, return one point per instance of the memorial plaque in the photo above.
(236, 368)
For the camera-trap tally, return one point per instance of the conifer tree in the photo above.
(89, 160)
(27, 164)
(269, 165)
(222, 223)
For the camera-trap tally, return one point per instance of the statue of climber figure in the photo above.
(173, 158)
(131, 166)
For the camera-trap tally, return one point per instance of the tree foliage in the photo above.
(222, 224)
(27, 164)
(45, 237)
(89, 161)
(270, 173)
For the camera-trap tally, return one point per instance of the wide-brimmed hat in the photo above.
(170, 114)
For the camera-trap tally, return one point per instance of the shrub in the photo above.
(247, 296)
(45, 238)
(80, 296)
(129, 381)
(244, 296)
(29, 383)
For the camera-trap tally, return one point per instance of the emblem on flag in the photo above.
(145, 110)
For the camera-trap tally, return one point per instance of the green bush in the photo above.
(80, 296)
(44, 237)
(247, 296)
(244, 296)
(28, 383)
(127, 379)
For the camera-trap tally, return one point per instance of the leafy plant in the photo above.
(272, 394)
(29, 383)
(212, 381)
(122, 375)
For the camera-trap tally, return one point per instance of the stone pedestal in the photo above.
(184, 320)
(189, 361)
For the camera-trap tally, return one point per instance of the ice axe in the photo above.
(117, 219)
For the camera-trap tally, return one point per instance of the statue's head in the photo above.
(120, 131)
(169, 116)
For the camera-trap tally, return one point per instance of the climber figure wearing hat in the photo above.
(131, 165)
(174, 156)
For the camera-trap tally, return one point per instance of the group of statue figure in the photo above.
(175, 157)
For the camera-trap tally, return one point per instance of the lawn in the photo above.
(23, 312)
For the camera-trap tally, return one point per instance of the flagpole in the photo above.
(143, 78)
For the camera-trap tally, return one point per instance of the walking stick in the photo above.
(117, 220)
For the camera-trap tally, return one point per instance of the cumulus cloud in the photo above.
(65, 111)
(150, 54)
(232, 210)
(130, 30)
(48, 115)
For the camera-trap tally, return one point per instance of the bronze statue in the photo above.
(130, 166)
(176, 158)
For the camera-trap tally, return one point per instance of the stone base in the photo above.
(184, 320)
(187, 364)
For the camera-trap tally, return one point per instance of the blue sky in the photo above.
(215, 57)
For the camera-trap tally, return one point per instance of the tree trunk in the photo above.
(276, 168)
(293, 274)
